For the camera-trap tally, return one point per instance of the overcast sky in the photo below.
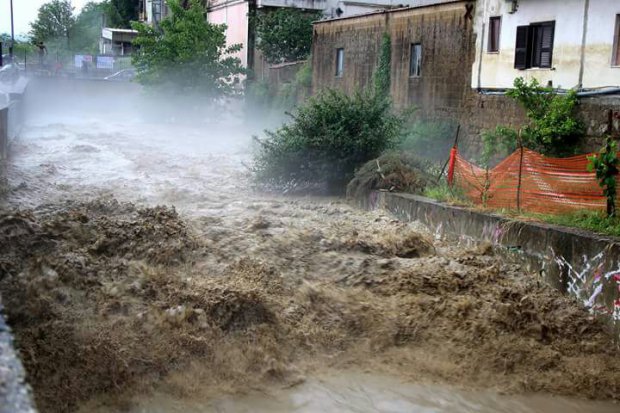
(25, 11)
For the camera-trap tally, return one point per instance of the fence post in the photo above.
(520, 173)
(450, 159)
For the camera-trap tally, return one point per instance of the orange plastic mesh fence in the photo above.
(548, 185)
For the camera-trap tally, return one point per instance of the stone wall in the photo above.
(600, 115)
(443, 90)
(361, 39)
(447, 43)
(581, 264)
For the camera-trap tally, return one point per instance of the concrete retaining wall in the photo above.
(584, 265)
(11, 113)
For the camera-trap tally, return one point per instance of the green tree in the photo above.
(187, 53)
(87, 28)
(55, 21)
(120, 13)
(284, 35)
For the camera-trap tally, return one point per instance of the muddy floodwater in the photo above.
(357, 392)
(142, 273)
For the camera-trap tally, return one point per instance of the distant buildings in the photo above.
(116, 42)
(235, 14)
(453, 60)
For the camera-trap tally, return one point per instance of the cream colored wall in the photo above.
(598, 71)
(496, 70)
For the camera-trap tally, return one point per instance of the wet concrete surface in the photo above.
(200, 171)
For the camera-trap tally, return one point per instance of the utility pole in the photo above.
(12, 33)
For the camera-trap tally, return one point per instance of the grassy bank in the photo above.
(595, 221)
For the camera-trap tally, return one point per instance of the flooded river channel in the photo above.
(142, 273)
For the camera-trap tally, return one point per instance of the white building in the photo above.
(117, 42)
(566, 44)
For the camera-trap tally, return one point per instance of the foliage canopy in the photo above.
(58, 27)
(120, 13)
(284, 35)
(55, 20)
(187, 53)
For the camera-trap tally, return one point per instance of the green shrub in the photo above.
(329, 136)
(443, 193)
(605, 164)
(552, 127)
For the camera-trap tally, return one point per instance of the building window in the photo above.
(415, 60)
(616, 56)
(495, 24)
(339, 62)
(534, 47)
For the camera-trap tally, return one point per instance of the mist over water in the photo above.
(99, 141)
(82, 139)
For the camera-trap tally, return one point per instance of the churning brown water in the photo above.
(366, 393)
(224, 299)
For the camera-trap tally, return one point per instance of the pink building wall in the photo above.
(235, 16)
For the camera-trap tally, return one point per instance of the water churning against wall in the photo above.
(141, 273)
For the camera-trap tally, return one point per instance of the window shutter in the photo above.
(494, 28)
(546, 44)
(616, 56)
(521, 47)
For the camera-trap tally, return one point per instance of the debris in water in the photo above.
(108, 300)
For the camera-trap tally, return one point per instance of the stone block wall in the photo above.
(443, 91)
(600, 115)
(447, 41)
(360, 37)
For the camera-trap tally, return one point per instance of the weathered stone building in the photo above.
(436, 52)
(432, 53)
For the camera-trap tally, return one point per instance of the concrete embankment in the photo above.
(15, 394)
(11, 112)
(581, 264)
